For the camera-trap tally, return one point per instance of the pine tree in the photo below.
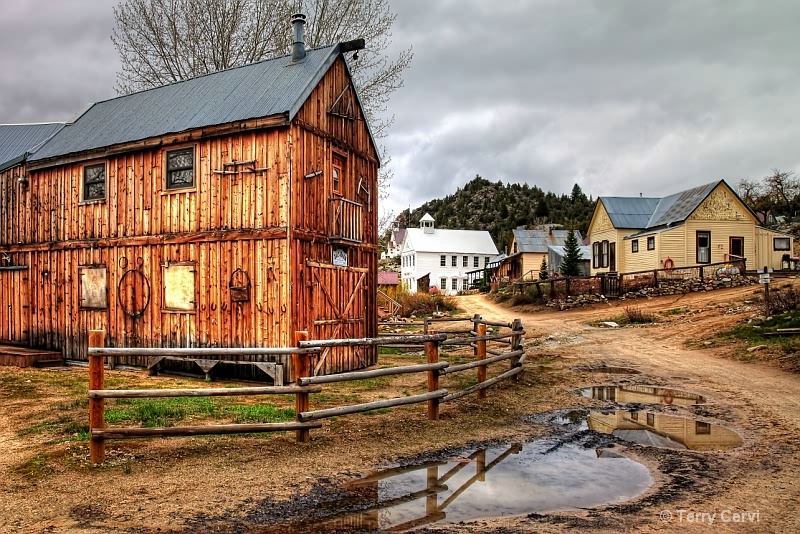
(571, 264)
(544, 274)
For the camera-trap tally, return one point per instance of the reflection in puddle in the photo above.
(642, 395)
(667, 431)
(541, 476)
(606, 369)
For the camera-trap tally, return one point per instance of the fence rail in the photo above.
(306, 419)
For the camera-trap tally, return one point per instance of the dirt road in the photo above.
(761, 402)
(250, 484)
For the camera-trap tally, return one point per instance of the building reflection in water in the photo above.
(540, 476)
(664, 430)
(642, 395)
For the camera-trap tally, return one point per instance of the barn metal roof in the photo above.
(19, 140)
(538, 240)
(262, 89)
(630, 212)
(450, 241)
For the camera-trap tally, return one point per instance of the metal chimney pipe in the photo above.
(299, 46)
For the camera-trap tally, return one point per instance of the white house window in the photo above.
(485, 261)
(635, 245)
(465, 284)
(703, 247)
(465, 261)
(454, 261)
(180, 168)
(443, 283)
(475, 262)
(782, 243)
(454, 284)
(94, 182)
(443, 261)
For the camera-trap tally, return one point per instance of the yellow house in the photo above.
(704, 225)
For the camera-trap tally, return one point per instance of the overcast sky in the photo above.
(621, 97)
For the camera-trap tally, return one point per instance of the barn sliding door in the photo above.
(14, 295)
(338, 298)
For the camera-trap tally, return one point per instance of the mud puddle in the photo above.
(636, 394)
(654, 429)
(611, 370)
(503, 480)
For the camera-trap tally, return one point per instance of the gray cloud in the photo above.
(620, 97)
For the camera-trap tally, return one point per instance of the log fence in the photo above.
(305, 384)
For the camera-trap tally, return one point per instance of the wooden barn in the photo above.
(228, 210)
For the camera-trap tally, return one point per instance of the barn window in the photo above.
(338, 172)
(94, 182)
(782, 243)
(179, 286)
(635, 245)
(651, 242)
(180, 168)
(93, 287)
(443, 261)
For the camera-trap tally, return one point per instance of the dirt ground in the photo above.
(252, 484)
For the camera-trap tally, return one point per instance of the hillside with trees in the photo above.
(499, 208)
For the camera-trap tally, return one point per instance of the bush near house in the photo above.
(425, 304)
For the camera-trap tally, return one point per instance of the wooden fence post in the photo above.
(516, 344)
(302, 368)
(481, 356)
(97, 446)
(655, 278)
(432, 350)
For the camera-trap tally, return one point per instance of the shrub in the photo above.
(425, 304)
(635, 314)
(784, 299)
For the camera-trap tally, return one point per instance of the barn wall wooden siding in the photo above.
(228, 222)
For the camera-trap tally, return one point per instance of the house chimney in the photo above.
(299, 46)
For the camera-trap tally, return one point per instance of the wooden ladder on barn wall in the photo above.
(385, 302)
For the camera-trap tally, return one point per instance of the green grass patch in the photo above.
(377, 411)
(35, 467)
(674, 311)
(170, 411)
(260, 413)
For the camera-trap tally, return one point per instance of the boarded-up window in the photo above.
(93, 287)
(179, 286)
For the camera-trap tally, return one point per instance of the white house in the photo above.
(395, 243)
(442, 257)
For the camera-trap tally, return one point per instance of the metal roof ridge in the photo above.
(176, 82)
